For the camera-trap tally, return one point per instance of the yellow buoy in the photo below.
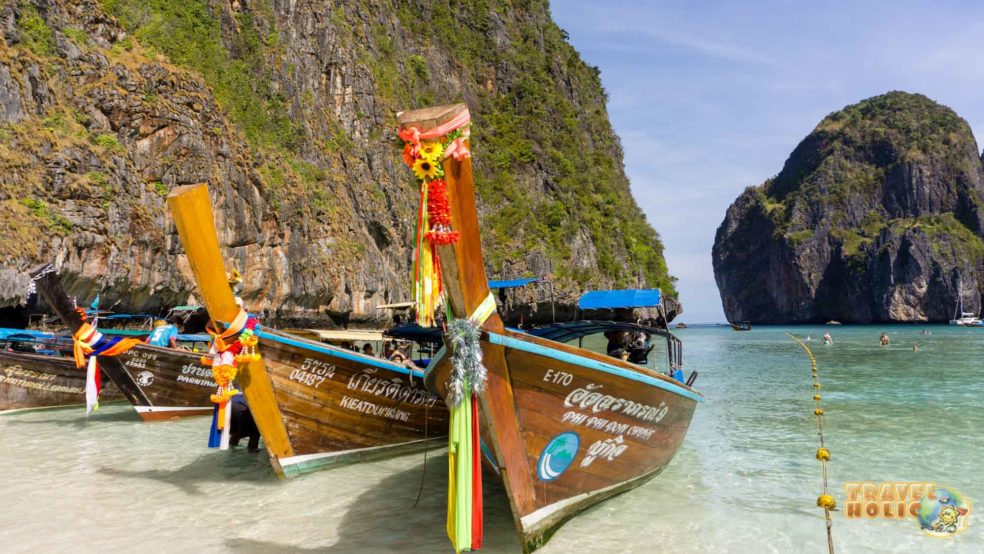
(823, 454)
(827, 502)
(818, 411)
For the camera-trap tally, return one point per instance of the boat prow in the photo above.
(315, 405)
(564, 427)
(160, 383)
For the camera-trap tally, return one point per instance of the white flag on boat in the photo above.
(91, 386)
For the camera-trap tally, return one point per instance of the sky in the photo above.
(711, 97)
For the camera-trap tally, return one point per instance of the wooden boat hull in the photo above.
(160, 383)
(332, 406)
(29, 381)
(171, 383)
(619, 425)
(315, 405)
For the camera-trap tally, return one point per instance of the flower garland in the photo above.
(424, 153)
(224, 358)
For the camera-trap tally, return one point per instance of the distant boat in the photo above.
(740, 325)
(965, 319)
(681, 326)
(833, 322)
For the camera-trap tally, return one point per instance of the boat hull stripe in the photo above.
(339, 353)
(596, 365)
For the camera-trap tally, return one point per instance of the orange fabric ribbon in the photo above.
(233, 330)
(87, 340)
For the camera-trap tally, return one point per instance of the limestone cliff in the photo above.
(877, 215)
(287, 109)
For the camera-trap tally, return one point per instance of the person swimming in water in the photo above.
(884, 340)
(827, 340)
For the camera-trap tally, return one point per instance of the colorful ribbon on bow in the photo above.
(466, 382)
(87, 344)
(225, 354)
(423, 151)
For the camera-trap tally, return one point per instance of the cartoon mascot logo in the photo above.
(946, 514)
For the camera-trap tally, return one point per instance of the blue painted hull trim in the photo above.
(596, 365)
(339, 353)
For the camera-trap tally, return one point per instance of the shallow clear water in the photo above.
(744, 481)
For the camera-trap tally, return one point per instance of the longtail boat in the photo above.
(315, 405)
(160, 383)
(564, 427)
(30, 380)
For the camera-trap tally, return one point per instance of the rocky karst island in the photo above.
(877, 216)
(289, 115)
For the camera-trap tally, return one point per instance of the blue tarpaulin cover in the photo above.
(610, 299)
(194, 338)
(24, 333)
(513, 283)
(570, 330)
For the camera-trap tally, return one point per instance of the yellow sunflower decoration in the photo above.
(432, 151)
(425, 169)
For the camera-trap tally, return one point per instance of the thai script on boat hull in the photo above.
(608, 426)
(29, 379)
(607, 449)
(393, 388)
(586, 397)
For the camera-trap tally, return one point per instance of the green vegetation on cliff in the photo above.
(527, 122)
(287, 110)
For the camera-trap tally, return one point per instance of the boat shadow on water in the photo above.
(383, 519)
(236, 465)
(82, 420)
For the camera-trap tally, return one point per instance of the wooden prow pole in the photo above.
(466, 286)
(462, 264)
(192, 211)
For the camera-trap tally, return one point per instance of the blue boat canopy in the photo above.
(570, 330)
(127, 316)
(513, 283)
(611, 299)
(194, 338)
(415, 333)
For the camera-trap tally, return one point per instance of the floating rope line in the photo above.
(825, 500)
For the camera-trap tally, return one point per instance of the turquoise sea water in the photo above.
(745, 480)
